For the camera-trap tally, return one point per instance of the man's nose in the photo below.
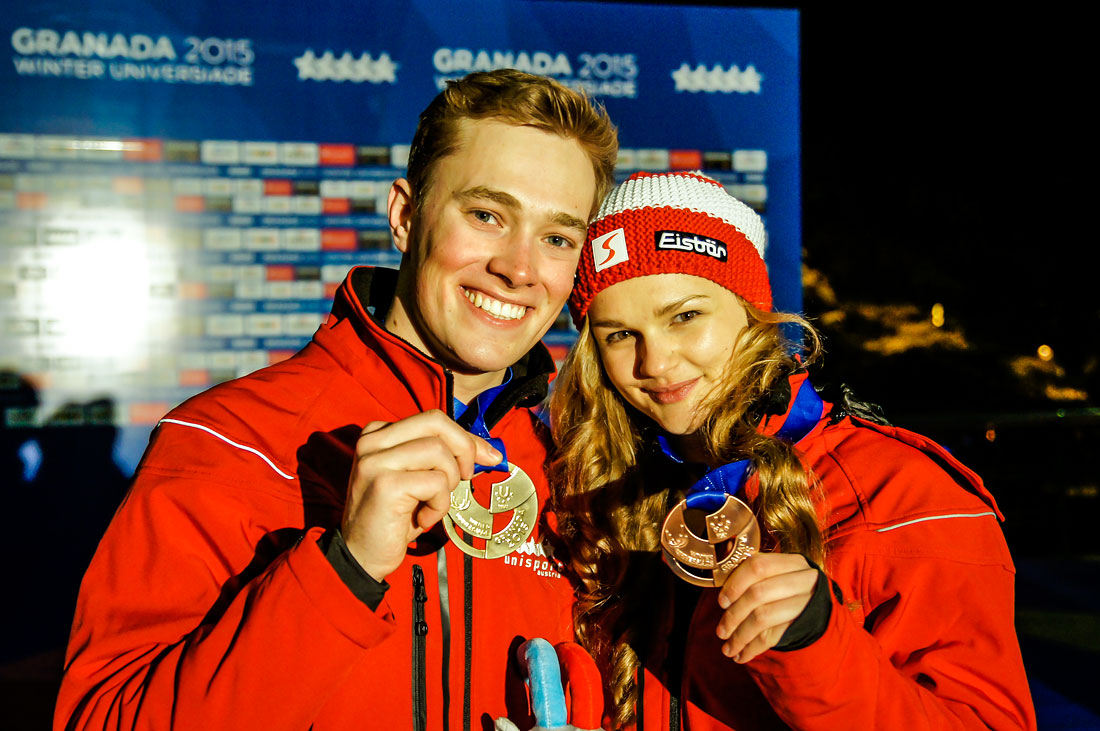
(516, 261)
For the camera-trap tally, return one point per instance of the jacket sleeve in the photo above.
(925, 636)
(202, 609)
(944, 658)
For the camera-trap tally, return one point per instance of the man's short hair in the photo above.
(518, 98)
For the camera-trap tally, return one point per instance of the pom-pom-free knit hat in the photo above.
(672, 223)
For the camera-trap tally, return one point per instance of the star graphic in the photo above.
(682, 77)
(364, 68)
(751, 79)
(305, 64)
(716, 78)
(323, 69)
(344, 67)
(385, 69)
(732, 80)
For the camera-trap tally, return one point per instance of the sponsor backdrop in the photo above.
(183, 187)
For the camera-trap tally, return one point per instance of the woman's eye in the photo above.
(616, 337)
(685, 316)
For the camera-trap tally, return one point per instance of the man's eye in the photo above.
(559, 241)
(484, 216)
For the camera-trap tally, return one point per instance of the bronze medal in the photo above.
(732, 535)
(515, 493)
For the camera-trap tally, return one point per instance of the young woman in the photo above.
(746, 555)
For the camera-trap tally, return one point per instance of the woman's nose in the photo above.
(655, 358)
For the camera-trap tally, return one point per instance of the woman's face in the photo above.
(665, 341)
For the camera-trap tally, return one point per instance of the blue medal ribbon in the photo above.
(709, 493)
(481, 404)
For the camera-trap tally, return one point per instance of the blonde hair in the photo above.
(512, 97)
(612, 493)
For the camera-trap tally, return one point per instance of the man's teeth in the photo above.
(494, 307)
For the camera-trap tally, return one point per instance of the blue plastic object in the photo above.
(544, 683)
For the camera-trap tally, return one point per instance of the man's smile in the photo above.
(496, 308)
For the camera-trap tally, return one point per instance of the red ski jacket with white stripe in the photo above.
(924, 637)
(209, 604)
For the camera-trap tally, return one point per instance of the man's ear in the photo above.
(399, 209)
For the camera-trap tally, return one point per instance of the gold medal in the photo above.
(732, 535)
(515, 493)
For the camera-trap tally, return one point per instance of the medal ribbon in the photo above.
(481, 404)
(709, 493)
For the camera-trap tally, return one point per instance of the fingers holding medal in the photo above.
(760, 599)
(400, 484)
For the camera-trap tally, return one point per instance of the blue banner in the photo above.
(181, 188)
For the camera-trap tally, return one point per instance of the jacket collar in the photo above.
(778, 410)
(414, 381)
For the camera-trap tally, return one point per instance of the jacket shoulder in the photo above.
(260, 421)
(905, 493)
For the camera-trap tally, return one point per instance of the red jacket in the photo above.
(924, 638)
(209, 605)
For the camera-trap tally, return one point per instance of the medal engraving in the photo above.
(515, 493)
(462, 496)
(732, 535)
(516, 532)
(679, 539)
(719, 527)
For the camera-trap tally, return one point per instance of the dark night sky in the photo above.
(942, 163)
(947, 137)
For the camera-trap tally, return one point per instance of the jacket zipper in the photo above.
(419, 669)
(467, 596)
(468, 619)
(685, 604)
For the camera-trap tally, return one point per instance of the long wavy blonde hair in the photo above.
(611, 492)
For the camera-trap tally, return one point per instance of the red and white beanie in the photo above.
(673, 223)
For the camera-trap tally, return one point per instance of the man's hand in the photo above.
(401, 482)
(761, 598)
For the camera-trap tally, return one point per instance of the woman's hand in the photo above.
(761, 598)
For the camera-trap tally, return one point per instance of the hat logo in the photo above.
(609, 249)
(685, 241)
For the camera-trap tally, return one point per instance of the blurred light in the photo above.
(991, 435)
(937, 315)
(1064, 393)
(1045, 353)
(30, 453)
(97, 294)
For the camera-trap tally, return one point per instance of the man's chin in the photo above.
(480, 360)
(490, 355)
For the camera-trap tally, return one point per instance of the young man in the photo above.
(279, 561)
